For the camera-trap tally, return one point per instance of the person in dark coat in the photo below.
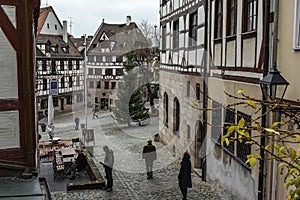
(184, 176)
(108, 166)
(149, 154)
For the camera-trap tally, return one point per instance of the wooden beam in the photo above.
(8, 105)
(9, 30)
(10, 2)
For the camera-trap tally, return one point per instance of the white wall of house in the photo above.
(52, 26)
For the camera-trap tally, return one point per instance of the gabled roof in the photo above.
(58, 40)
(126, 38)
(44, 12)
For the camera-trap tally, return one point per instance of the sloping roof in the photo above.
(58, 40)
(44, 12)
(126, 37)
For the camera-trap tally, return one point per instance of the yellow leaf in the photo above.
(231, 129)
(252, 104)
(275, 124)
(227, 141)
(241, 123)
(298, 138)
(251, 160)
(241, 91)
(272, 131)
(289, 197)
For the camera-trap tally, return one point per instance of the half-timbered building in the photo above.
(18, 135)
(181, 77)
(105, 56)
(59, 65)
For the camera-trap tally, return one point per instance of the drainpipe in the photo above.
(274, 60)
(264, 108)
(204, 112)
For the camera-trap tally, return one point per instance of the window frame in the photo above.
(218, 18)
(176, 34)
(231, 20)
(247, 16)
(193, 31)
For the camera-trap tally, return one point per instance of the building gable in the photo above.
(49, 23)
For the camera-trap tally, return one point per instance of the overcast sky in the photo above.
(87, 15)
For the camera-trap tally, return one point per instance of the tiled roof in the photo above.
(58, 40)
(126, 37)
(43, 15)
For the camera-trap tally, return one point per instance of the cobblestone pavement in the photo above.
(129, 175)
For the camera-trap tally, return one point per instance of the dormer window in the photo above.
(56, 48)
(47, 47)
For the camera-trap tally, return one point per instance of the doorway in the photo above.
(199, 138)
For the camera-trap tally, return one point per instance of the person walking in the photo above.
(149, 154)
(108, 166)
(184, 176)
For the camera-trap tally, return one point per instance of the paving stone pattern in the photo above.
(130, 182)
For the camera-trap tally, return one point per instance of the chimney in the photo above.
(65, 32)
(128, 20)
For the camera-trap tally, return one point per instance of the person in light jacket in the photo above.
(149, 154)
(108, 166)
(184, 176)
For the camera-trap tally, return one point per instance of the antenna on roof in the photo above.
(46, 3)
(71, 23)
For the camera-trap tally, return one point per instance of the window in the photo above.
(44, 65)
(62, 65)
(53, 67)
(249, 14)
(176, 115)
(243, 149)
(98, 84)
(48, 25)
(47, 47)
(113, 85)
(78, 80)
(90, 58)
(166, 109)
(70, 65)
(216, 121)
(193, 29)
(108, 72)
(188, 132)
(98, 58)
(229, 120)
(69, 100)
(45, 84)
(108, 58)
(77, 64)
(296, 43)
(44, 104)
(90, 71)
(70, 81)
(55, 26)
(188, 88)
(231, 17)
(218, 19)
(91, 84)
(119, 72)
(55, 101)
(176, 34)
(119, 59)
(164, 38)
(98, 71)
(62, 82)
(198, 91)
(106, 85)
(164, 1)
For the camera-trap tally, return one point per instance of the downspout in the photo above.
(274, 61)
(264, 108)
(204, 85)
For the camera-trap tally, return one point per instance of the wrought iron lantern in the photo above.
(273, 85)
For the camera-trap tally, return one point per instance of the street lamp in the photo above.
(273, 85)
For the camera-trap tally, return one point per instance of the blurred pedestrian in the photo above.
(108, 166)
(94, 113)
(184, 176)
(149, 154)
